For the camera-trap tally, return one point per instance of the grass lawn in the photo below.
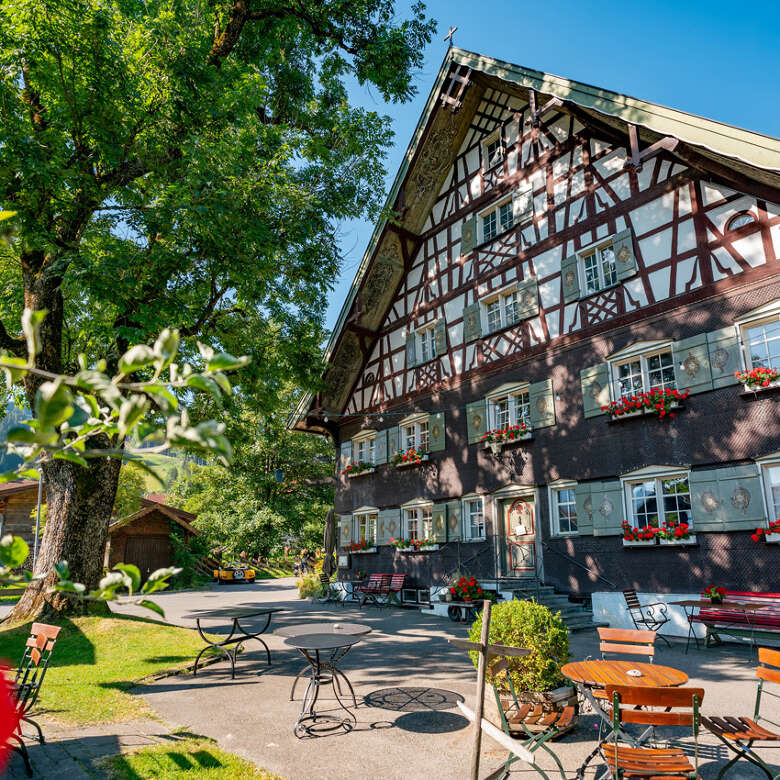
(195, 757)
(272, 572)
(97, 659)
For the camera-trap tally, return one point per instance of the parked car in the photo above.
(234, 572)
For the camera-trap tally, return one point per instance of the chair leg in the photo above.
(37, 728)
(22, 750)
(664, 639)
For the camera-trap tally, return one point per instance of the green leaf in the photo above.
(62, 569)
(163, 397)
(8, 365)
(100, 383)
(131, 412)
(71, 456)
(136, 358)
(222, 361)
(152, 606)
(132, 571)
(31, 325)
(165, 348)
(69, 587)
(205, 383)
(13, 551)
(21, 434)
(53, 404)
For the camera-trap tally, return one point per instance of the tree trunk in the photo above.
(79, 503)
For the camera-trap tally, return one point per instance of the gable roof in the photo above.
(752, 157)
(149, 507)
(10, 488)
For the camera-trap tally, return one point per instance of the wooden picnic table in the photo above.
(691, 605)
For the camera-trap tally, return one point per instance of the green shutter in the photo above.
(523, 204)
(468, 235)
(623, 247)
(726, 499)
(440, 336)
(472, 324)
(411, 349)
(584, 501)
(542, 403)
(436, 432)
(528, 298)
(692, 364)
(607, 501)
(476, 419)
(346, 455)
(380, 449)
(345, 530)
(393, 441)
(440, 522)
(454, 529)
(595, 389)
(570, 279)
(388, 525)
(723, 348)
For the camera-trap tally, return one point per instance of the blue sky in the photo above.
(716, 59)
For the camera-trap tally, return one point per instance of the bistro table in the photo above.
(301, 629)
(690, 607)
(591, 678)
(322, 652)
(238, 634)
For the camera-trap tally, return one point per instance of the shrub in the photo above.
(531, 625)
(309, 586)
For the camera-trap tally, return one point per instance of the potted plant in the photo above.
(496, 438)
(361, 546)
(410, 457)
(757, 378)
(714, 593)
(657, 401)
(536, 677)
(400, 544)
(771, 533)
(358, 467)
(638, 537)
(675, 533)
(466, 589)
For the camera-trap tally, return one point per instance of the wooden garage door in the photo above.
(148, 553)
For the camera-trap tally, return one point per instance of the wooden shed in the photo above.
(18, 501)
(144, 538)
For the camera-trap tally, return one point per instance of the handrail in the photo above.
(445, 577)
(578, 563)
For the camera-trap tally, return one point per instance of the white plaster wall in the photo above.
(611, 608)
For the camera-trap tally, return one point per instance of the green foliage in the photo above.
(129, 491)
(186, 556)
(309, 586)
(534, 626)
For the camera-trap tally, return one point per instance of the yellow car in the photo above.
(234, 572)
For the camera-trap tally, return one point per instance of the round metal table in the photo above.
(322, 652)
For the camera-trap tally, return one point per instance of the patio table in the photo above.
(690, 607)
(593, 675)
(238, 634)
(322, 652)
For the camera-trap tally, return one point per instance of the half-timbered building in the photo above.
(560, 253)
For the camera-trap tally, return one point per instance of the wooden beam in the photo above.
(481, 670)
(637, 158)
(498, 650)
(535, 115)
(361, 331)
(512, 745)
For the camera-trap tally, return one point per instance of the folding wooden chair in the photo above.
(626, 641)
(676, 707)
(28, 681)
(646, 617)
(739, 734)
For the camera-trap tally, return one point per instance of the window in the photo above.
(365, 449)
(771, 475)
(762, 343)
(641, 373)
(655, 501)
(366, 525)
(489, 223)
(740, 220)
(564, 510)
(501, 310)
(414, 435)
(426, 345)
(493, 150)
(511, 408)
(474, 514)
(418, 522)
(497, 219)
(599, 269)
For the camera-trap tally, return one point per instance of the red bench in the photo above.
(721, 619)
(380, 587)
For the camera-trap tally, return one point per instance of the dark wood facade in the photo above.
(18, 505)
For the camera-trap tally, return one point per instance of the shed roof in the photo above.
(149, 507)
(19, 486)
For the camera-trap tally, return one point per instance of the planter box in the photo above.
(364, 552)
(431, 548)
(642, 413)
(759, 389)
(679, 542)
(639, 543)
(772, 538)
(550, 701)
(412, 463)
(525, 437)
(361, 473)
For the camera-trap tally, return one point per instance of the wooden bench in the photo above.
(722, 619)
(380, 588)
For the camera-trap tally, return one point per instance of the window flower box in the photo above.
(771, 534)
(498, 438)
(758, 379)
(661, 403)
(358, 468)
(689, 540)
(638, 542)
(405, 458)
(361, 473)
(362, 546)
(772, 538)
(367, 550)
(426, 548)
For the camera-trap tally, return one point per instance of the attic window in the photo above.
(492, 150)
(740, 220)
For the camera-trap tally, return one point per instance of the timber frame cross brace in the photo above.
(637, 157)
(535, 115)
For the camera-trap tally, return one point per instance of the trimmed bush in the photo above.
(531, 625)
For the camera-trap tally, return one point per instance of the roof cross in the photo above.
(450, 37)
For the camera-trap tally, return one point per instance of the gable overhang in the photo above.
(744, 159)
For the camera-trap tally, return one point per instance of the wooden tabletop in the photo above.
(707, 604)
(598, 674)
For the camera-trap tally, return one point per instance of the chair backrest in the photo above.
(397, 582)
(676, 706)
(632, 600)
(627, 641)
(35, 661)
(324, 578)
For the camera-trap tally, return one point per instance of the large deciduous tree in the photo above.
(182, 164)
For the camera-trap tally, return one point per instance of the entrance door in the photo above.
(148, 553)
(519, 517)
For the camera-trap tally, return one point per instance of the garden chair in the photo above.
(329, 593)
(624, 758)
(620, 640)
(28, 681)
(739, 734)
(646, 617)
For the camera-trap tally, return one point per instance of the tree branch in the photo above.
(14, 344)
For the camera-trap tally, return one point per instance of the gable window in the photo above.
(656, 501)
(510, 408)
(497, 219)
(492, 150)
(365, 449)
(474, 515)
(366, 526)
(418, 522)
(426, 344)
(563, 507)
(599, 269)
(644, 372)
(501, 310)
(414, 435)
(740, 220)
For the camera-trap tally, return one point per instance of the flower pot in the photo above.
(550, 701)
(716, 599)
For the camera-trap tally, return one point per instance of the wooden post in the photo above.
(480, 706)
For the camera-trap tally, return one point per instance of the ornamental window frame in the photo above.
(516, 412)
(507, 314)
(425, 343)
(554, 489)
(642, 353)
(420, 423)
(490, 161)
(501, 216)
(364, 441)
(466, 502)
(657, 475)
(740, 217)
(764, 315)
(366, 519)
(421, 512)
(595, 250)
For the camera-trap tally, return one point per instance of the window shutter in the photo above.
(570, 279)
(346, 455)
(595, 388)
(523, 204)
(692, 364)
(436, 432)
(468, 235)
(454, 528)
(726, 499)
(380, 448)
(411, 349)
(472, 325)
(607, 501)
(584, 501)
(393, 441)
(623, 247)
(723, 347)
(388, 525)
(440, 336)
(345, 530)
(528, 298)
(476, 419)
(440, 522)
(542, 402)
